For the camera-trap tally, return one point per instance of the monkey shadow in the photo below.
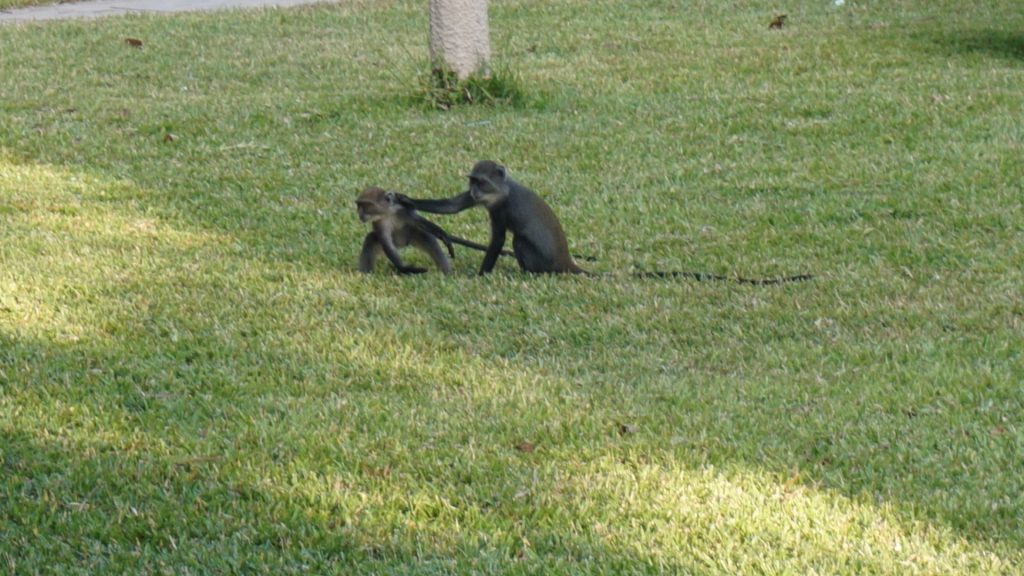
(1001, 44)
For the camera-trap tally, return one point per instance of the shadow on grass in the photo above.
(92, 480)
(100, 474)
(1003, 44)
(209, 382)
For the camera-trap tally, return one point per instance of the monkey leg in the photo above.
(430, 245)
(434, 230)
(530, 259)
(392, 253)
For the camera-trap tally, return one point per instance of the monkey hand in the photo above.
(411, 270)
(404, 200)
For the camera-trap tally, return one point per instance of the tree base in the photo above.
(486, 87)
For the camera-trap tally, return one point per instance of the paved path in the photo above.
(101, 8)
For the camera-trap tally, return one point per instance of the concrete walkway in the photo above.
(101, 8)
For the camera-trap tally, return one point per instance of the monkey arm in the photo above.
(369, 253)
(434, 230)
(446, 206)
(498, 230)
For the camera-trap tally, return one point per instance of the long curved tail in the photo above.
(475, 246)
(705, 277)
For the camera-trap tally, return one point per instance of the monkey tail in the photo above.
(476, 246)
(506, 251)
(776, 280)
(434, 230)
(705, 277)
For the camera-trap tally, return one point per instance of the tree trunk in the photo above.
(459, 36)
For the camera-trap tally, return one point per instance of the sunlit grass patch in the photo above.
(70, 236)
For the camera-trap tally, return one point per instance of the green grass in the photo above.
(194, 379)
(442, 89)
(9, 4)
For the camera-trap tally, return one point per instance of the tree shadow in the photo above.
(90, 485)
(1003, 44)
(121, 480)
(169, 374)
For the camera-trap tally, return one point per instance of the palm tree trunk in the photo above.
(459, 36)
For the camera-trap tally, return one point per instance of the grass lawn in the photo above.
(8, 4)
(194, 378)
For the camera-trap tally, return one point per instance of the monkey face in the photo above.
(485, 191)
(477, 189)
(367, 212)
(487, 184)
(375, 204)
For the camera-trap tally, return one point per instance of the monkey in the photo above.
(538, 241)
(778, 22)
(395, 225)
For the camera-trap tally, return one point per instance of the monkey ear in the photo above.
(501, 172)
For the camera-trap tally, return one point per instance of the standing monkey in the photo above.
(396, 226)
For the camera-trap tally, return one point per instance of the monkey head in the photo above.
(488, 183)
(376, 203)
